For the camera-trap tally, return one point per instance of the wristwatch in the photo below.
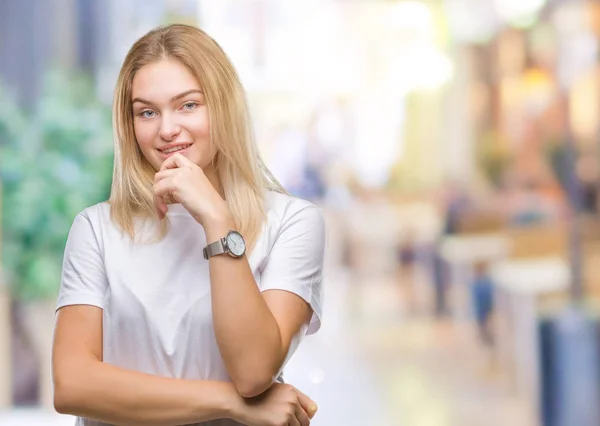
(233, 244)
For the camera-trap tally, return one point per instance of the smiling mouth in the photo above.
(175, 149)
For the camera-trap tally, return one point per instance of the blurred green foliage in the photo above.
(54, 161)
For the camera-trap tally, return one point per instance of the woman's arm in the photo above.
(85, 386)
(254, 330)
(254, 333)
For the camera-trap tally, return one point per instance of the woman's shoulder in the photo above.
(284, 203)
(96, 214)
(282, 207)
(90, 222)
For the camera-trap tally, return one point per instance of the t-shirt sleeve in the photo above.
(295, 262)
(83, 279)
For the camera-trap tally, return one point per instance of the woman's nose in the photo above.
(169, 129)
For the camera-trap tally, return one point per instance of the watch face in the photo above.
(236, 244)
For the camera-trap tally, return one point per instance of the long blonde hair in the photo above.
(243, 174)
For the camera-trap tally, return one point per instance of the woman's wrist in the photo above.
(218, 226)
(227, 403)
(232, 404)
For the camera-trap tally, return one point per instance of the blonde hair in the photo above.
(243, 174)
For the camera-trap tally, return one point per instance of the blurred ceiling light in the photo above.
(421, 67)
(471, 20)
(409, 15)
(520, 13)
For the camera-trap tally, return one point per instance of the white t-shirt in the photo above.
(155, 297)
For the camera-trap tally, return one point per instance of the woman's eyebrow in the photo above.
(184, 94)
(174, 98)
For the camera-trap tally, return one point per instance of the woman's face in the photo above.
(170, 114)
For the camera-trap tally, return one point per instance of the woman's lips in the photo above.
(169, 154)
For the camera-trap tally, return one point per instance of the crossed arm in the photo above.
(254, 331)
(87, 387)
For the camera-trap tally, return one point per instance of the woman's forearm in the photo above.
(103, 392)
(246, 330)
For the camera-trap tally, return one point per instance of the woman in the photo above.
(183, 296)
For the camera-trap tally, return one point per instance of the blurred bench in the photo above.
(480, 222)
(538, 241)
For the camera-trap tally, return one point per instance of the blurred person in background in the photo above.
(185, 294)
(482, 297)
(588, 172)
(455, 203)
(407, 257)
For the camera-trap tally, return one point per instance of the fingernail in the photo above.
(313, 408)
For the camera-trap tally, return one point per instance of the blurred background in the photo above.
(454, 147)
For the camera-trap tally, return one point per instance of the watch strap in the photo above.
(214, 249)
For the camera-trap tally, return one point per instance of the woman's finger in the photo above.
(175, 161)
(164, 188)
(302, 417)
(293, 422)
(307, 404)
(161, 207)
(165, 174)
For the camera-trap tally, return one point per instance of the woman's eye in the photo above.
(147, 113)
(189, 105)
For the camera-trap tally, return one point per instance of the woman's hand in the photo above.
(281, 405)
(181, 181)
